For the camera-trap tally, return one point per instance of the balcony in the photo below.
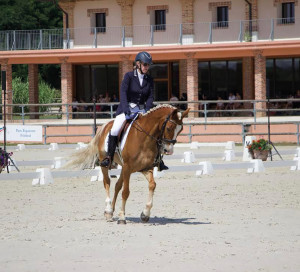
(180, 34)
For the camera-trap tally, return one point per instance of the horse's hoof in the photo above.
(108, 216)
(144, 218)
(122, 222)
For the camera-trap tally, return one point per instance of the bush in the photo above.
(47, 94)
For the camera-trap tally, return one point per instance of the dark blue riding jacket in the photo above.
(132, 91)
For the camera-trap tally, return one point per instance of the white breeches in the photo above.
(118, 122)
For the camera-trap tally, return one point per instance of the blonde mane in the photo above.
(158, 107)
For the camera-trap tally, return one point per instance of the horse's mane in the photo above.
(157, 108)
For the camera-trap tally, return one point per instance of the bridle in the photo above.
(160, 140)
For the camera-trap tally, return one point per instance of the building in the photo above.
(199, 47)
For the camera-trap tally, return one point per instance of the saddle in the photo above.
(125, 127)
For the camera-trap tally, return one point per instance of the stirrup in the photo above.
(162, 166)
(105, 162)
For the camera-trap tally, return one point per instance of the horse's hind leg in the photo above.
(108, 212)
(145, 215)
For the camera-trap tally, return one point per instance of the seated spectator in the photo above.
(174, 98)
(183, 97)
(230, 106)
(74, 107)
(238, 104)
(220, 106)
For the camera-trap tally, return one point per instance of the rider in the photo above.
(136, 96)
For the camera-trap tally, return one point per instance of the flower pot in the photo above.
(261, 154)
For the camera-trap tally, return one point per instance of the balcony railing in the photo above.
(129, 36)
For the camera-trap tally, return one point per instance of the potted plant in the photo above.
(259, 149)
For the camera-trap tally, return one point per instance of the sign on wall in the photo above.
(20, 133)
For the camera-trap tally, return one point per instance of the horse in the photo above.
(151, 134)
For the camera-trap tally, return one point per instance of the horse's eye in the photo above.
(168, 129)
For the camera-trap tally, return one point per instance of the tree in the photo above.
(30, 15)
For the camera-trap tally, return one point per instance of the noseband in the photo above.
(161, 138)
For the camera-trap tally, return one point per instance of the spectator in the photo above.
(174, 98)
(220, 106)
(74, 107)
(231, 98)
(237, 97)
(183, 97)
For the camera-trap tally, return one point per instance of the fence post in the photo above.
(123, 36)
(298, 134)
(14, 41)
(241, 31)
(29, 40)
(45, 134)
(68, 38)
(210, 33)
(23, 114)
(254, 111)
(205, 114)
(41, 39)
(111, 111)
(180, 33)
(190, 133)
(49, 41)
(272, 30)
(151, 37)
(95, 37)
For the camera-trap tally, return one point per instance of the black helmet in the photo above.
(144, 57)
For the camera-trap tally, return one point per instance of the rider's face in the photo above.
(144, 67)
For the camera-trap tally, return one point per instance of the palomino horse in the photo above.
(152, 134)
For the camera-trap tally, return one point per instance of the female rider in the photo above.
(136, 96)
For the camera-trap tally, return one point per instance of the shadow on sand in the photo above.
(165, 221)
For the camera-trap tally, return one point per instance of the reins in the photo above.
(160, 140)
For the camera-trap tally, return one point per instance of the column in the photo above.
(9, 99)
(127, 19)
(260, 80)
(182, 77)
(66, 87)
(33, 89)
(248, 81)
(192, 82)
(187, 16)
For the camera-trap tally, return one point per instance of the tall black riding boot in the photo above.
(162, 166)
(112, 143)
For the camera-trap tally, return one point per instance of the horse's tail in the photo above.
(88, 156)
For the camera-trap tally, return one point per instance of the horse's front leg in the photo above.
(125, 193)
(118, 187)
(145, 215)
(108, 212)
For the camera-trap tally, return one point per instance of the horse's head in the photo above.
(170, 129)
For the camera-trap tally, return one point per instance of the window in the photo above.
(100, 22)
(288, 13)
(222, 16)
(160, 20)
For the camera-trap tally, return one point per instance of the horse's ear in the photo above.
(185, 113)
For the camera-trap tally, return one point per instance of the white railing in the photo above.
(151, 35)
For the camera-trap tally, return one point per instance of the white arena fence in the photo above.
(44, 176)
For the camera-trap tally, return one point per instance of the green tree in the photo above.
(29, 14)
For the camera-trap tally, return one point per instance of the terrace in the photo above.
(278, 29)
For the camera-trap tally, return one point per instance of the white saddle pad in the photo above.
(123, 140)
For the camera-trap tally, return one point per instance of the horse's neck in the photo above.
(151, 122)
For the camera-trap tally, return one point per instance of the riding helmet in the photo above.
(144, 57)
